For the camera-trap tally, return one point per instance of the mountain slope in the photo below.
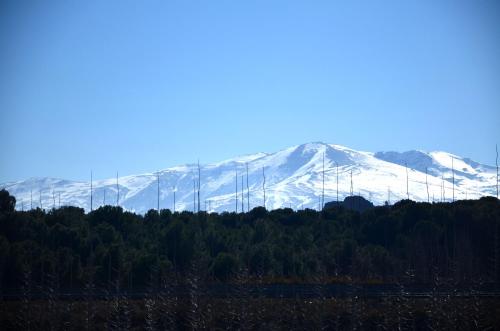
(293, 177)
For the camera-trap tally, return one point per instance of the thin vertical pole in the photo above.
(337, 165)
(158, 190)
(323, 184)
(264, 186)
(453, 178)
(117, 191)
(53, 199)
(496, 161)
(31, 199)
(407, 190)
(59, 199)
(199, 184)
(427, 185)
(248, 192)
(352, 188)
(242, 197)
(174, 198)
(91, 206)
(236, 192)
(194, 195)
(443, 191)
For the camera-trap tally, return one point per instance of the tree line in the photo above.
(110, 248)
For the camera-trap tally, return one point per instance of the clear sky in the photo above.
(137, 86)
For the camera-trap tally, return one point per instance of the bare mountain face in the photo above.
(293, 178)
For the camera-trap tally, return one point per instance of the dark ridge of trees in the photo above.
(114, 249)
(356, 203)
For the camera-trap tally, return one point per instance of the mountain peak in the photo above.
(295, 176)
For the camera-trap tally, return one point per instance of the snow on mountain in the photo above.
(293, 178)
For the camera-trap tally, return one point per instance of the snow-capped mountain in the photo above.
(293, 178)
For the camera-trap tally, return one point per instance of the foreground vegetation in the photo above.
(156, 312)
(133, 265)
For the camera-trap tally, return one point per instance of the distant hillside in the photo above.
(293, 178)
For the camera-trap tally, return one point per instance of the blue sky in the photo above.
(136, 86)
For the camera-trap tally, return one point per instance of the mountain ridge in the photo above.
(294, 178)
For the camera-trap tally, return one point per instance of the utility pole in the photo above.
(31, 199)
(248, 192)
(264, 186)
(427, 185)
(59, 199)
(407, 191)
(53, 199)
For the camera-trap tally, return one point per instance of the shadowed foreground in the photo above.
(409, 266)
